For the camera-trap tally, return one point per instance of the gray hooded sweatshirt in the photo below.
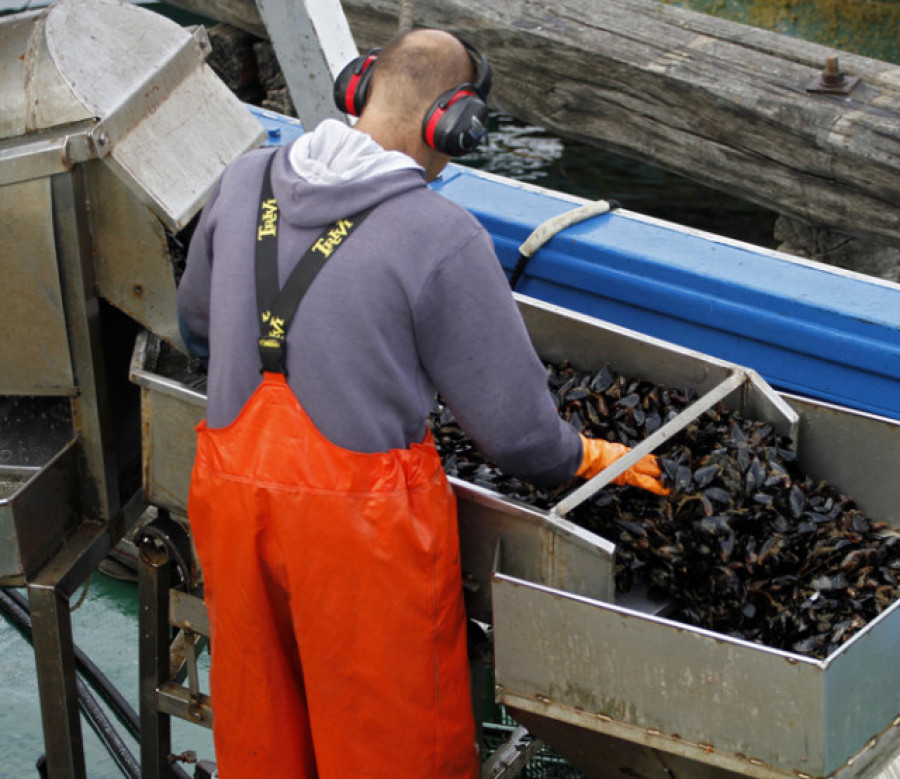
(413, 302)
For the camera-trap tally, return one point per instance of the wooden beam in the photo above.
(242, 14)
(719, 102)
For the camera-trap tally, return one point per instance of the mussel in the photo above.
(746, 544)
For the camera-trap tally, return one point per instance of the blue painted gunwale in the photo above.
(806, 327)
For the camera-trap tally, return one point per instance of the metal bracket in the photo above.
(510, 758)
(145, 98)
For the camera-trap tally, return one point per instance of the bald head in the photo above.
(414, 69)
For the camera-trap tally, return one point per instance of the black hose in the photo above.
(15, 607)
(123, 710)
(104, 729)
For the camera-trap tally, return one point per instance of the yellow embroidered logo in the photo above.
(268, 218)
(276, 325)
(328, 243)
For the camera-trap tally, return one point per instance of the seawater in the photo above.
(528, 153)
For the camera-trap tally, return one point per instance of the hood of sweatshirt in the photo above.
(336, 171)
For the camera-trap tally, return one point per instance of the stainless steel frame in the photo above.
(165, 662)
(104, 146)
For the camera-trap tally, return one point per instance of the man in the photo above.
(322, 518)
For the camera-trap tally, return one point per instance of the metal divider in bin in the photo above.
(649, 444)
(548, 549)
(545, 546)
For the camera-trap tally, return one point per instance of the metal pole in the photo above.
(91, 407)
(54, 647)
(153, 584)
(590, 488)
(57, 685)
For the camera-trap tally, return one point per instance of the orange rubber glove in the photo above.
(598, 454)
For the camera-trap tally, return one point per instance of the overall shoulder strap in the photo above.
(267, 241)
(278, 306)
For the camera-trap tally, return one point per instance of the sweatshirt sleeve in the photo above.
(479, 356)
(194, 287)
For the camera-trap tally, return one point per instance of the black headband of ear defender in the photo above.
(454, 124)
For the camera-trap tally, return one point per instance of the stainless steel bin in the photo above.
(614, 686)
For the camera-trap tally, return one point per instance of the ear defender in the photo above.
(351, 87)
(457, 121)
(454, 124)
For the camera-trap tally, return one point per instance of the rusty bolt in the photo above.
(832, 75)
(831, 80)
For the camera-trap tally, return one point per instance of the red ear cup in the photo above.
(351, 87)
(456, 122)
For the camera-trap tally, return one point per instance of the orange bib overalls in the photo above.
(332, 581)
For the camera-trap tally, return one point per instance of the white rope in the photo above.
(552, 226)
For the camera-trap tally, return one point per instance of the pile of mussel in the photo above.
(745, 544)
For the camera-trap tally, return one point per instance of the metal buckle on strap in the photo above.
(272, 355)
